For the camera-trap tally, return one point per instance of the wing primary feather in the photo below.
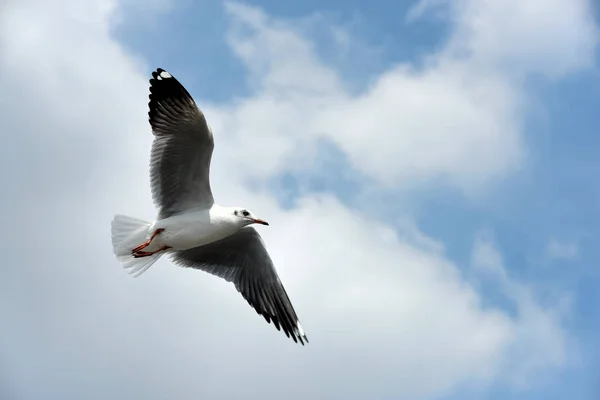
(243, 260)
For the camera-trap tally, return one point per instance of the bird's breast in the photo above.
(182, 234)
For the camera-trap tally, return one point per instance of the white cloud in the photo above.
(550, 37)
(410, 126)
(541, 342)
(458, 120)
(386, 313)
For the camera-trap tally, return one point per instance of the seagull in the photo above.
(190, 227)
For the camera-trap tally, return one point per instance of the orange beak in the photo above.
(260, 221)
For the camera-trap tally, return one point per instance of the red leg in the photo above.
(147, 242)
(139, 254)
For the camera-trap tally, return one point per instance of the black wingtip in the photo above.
(160, 74)
(166, 92)
(303, 339)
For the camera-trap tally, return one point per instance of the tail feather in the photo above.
(127, 233)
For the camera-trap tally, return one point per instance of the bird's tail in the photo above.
(128, 233)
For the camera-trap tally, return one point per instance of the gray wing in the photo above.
(243, 259)
(182, 148)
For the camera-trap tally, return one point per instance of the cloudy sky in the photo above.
(429, 169)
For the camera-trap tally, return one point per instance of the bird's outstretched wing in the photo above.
(243, 259)
(182, 148)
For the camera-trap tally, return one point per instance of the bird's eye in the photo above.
(245, 213)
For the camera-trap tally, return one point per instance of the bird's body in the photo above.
(193, 229)
(190, 227)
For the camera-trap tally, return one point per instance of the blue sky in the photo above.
(511, 209)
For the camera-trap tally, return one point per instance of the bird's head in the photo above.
(246, 217)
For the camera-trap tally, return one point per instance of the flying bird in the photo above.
(190, 227)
